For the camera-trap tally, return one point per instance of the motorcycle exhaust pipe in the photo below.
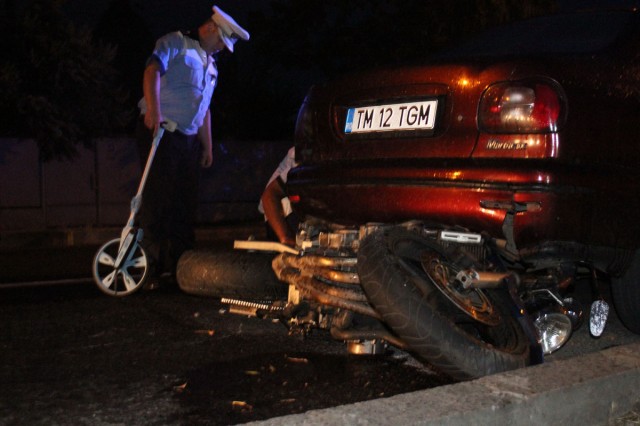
(367, 336)
(341, 297)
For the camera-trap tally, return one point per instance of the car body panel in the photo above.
(578, 183)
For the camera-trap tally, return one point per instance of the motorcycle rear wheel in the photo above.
(393, 276)
(625, 291)
(236, 274)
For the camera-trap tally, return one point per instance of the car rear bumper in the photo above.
(546, 204)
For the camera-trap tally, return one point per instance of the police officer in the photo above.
(178, 83)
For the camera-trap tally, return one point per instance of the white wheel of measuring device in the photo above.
(124, 279)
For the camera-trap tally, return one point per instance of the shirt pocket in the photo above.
(193, 72)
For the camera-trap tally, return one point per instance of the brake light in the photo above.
(520, 108)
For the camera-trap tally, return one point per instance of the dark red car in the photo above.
(528, 136)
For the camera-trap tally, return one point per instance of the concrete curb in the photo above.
(592, 389)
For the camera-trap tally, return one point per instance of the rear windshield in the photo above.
(571, 33)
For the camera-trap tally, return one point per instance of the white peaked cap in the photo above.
(229, 29)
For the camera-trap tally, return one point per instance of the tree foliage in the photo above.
(57, 84)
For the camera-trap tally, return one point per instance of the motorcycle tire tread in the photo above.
(235, 274)
(413, 316)
(625, 291)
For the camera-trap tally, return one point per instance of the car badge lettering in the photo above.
(495, 144)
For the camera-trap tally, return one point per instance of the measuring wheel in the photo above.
(120, 267)
(120, 272)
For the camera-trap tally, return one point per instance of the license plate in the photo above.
(390, 117)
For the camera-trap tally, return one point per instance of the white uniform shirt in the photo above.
(188, 78)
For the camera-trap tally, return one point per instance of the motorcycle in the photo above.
(457, 300)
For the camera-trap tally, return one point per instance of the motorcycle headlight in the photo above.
(554, 329)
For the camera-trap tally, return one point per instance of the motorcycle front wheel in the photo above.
(465, 334)
(236, 274)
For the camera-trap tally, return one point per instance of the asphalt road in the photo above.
(71, 355)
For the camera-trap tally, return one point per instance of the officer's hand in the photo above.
(207, 159)
(152, 120)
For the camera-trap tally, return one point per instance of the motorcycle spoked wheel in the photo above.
(128, 277)
(391, 266)
(236, 274)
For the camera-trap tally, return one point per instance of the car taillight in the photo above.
(520, 108)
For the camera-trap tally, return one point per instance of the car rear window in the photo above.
(567, 33)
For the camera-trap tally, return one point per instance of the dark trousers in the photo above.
(169, 199)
